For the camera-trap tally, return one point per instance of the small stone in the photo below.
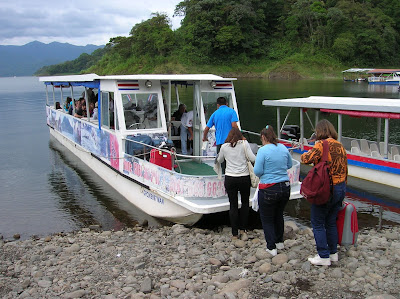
(145, 286)
(75, 294)
(44, 283)
(94, 227)
(337, 273)
(265, 268)
(280, 259)
(215, 262)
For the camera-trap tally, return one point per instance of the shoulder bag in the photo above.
(253, 178)
(316, 187)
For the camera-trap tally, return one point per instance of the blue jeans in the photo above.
(323, 220)
(238, 217)
(184, 138)
(272, 202)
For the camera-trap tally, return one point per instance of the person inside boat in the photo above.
(224, 119)
(79, 108)
(58, 106)
(187, 133)
(178, 113)
(323, 217)
(67, 104)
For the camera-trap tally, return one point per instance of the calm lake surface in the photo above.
(44, 189)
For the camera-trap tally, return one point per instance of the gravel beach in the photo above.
(180, 262)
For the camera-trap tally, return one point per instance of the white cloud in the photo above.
(77, 22)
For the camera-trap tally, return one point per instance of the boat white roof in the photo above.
(356, 70)
(172, 77)
(339, 103)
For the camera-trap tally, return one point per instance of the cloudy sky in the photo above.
(78, 22)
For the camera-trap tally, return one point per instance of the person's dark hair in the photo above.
(324, 129)
(234, 136)
(269, 134)
(222, 101)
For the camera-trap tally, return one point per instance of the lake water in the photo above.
(44, 189)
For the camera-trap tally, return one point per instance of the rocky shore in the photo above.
(181, 262)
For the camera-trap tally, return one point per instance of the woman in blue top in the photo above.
(272, 162)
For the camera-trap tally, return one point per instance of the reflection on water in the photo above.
(86, 197)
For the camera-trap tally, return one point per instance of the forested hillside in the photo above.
(284, 37)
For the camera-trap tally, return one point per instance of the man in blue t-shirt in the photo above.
(224, 119)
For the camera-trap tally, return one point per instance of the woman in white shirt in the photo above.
(237, 178)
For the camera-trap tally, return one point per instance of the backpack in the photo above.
(316, 187)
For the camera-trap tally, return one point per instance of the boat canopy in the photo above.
(363, 113)
(384, 71)
(339, 103)
(93, 77)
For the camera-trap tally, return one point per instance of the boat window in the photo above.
(210, 101)
(141, 111)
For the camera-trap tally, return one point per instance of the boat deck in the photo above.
(194, 168)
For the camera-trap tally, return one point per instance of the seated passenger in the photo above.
(58, 106)
(67, 104)
(79, 108)
(93, 110)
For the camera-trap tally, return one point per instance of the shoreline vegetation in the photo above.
(181, 262)
(281, 39)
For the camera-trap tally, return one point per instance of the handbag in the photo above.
(255, 180)
(316, 187)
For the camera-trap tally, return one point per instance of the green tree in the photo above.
(153, 37)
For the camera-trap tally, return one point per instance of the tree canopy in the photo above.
(227, 32)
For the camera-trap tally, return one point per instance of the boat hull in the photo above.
(369, 171)
(149, 201)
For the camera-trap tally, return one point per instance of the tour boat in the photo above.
(384, 76)
(133, 144)
(373, 160)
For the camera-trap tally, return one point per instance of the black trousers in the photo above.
(272, 202)
(238, 217)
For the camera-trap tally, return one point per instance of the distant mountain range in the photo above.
(27, 59)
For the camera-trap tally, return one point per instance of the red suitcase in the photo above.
(161, 158)
(347, 225)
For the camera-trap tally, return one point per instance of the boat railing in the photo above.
(180, 162)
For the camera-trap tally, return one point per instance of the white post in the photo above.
(386, 139)
(278, 121)
(301, 128)
(339, 127)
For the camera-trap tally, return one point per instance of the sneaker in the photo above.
(318, 261)
(279, 246)
(334, 257)
(272, 252)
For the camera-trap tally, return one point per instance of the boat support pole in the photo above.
(301, 128)
(61, 97)
(379, 130)
(54, 97)
(339, 127)
(278, 121)
(72, 97)
(385, 150)
(47, 96)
